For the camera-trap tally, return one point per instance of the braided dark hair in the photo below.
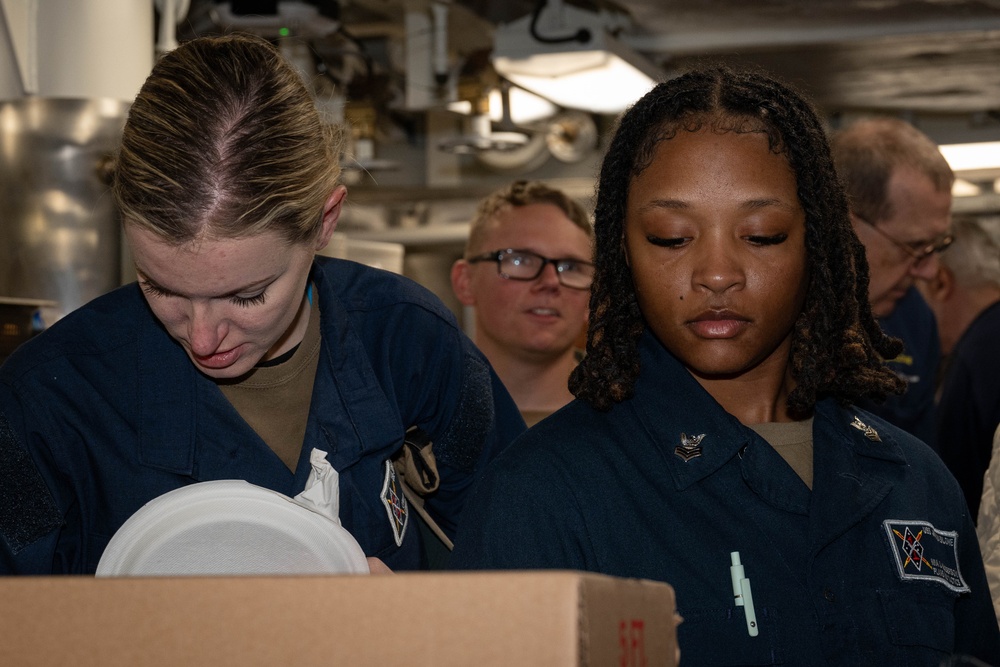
(837, 346)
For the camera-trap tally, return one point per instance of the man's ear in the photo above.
(942, 286)
(331, 214)
(461, 282)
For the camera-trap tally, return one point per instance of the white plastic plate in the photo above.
(229, 527)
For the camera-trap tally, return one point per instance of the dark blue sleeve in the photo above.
(913, 411)
(965, 428)
(523, 516)
(30, 517)
(484, 421)
(438, 381)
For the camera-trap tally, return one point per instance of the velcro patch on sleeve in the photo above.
(921, 552)
(463, 442)
(27, 510)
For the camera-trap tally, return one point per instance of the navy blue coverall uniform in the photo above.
(877, 565)
(969, 409)
(104, 411)
(913, 411)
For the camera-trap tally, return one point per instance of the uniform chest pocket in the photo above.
(922, 616)
(719, 636)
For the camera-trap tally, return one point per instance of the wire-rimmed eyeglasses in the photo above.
(918, 251)
(514, 264)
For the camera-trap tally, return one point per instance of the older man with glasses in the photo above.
(899, 187)
(965, 298)
(527, 271)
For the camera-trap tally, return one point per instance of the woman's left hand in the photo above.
(376, 566)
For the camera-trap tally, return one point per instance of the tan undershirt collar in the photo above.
(275, 400)
(794, 441)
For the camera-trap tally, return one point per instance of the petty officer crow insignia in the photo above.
(921, 552)
(869, 432)
(395, 503)
(690, 447)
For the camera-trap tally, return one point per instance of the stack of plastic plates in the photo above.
(229, 527)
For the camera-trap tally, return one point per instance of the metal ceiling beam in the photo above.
(689, 42)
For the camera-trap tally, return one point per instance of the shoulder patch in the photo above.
(395, 503)
(27, 510)
(462, 443)
(921, 552)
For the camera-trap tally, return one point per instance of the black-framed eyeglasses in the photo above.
(918, 251)
(514, 264)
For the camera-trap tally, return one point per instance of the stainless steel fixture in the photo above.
(59, 231)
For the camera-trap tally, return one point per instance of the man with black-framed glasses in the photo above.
(899, 186)
(526, 272)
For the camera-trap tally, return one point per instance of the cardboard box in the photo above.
(438, 619)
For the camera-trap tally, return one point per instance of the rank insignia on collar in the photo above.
(869, 432)
(690, 447)
(395, 503)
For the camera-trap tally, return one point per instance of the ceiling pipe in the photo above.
(171, 12)
(439, 11)
(687, 42)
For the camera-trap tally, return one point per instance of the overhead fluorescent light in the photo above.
(525, 106)
(964, 188)
(983, 155)
(589, 69)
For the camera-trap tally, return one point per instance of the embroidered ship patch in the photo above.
(395, 503)
(922, 552)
